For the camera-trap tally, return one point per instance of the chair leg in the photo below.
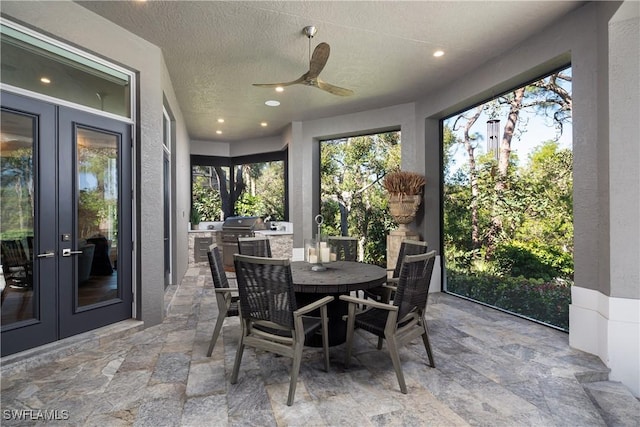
(295, 368)
(397, 366)
(351, 322)
(427, 345)
(325, 337)
(380, 340)
(236, 364)
(216, 333)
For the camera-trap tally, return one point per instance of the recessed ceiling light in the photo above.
(264, 124)
(279, 89)
(220, 120)
(45, 80)
(219, 132)
(272, 103)
(438, 53)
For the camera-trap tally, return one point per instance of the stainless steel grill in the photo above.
(232, 228)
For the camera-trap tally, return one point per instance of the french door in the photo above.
(65, 225)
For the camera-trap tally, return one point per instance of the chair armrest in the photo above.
(313, 306)
(393, 280)
(368, 303)
(225, 290)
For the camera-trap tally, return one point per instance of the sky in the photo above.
(538, 129)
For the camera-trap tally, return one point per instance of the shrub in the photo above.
(545, 301)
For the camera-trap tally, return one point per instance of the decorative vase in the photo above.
(403, 208)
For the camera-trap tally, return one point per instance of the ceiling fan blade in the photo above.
(318, 60)
(335, 90)
(297, 81)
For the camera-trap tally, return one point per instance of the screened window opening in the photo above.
(223, 187)
(352, 198)
(508, 201)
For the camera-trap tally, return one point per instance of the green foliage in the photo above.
(205, 195)
(534, 260)
(248, 205)
(195, 217)
(545, 301)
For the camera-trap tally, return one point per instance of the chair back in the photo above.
(408, 247)
(12, 254)
(345, 248)
(413, 284)
(254, 246)
(216, 266)
(265, 287)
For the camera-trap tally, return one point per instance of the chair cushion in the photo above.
(310, 325)
(373, 320)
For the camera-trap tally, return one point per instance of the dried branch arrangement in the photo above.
(401, 182)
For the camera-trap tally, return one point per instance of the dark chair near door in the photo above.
(403, 320)
(407, 247)
(227, 301)
(345, 248)
(271, 320)
(101, 265)
(254, 246)
(17, 268)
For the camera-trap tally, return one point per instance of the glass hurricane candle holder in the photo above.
(317, 251)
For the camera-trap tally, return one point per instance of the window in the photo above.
(38, 64)
(508, 202)
(247, 186)
(353, 200)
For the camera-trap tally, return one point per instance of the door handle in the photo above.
(69, 252)
(48, 254)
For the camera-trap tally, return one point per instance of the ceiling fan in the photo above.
(317, 62)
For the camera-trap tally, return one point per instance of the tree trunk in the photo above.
(227, 205)
(473, 179)
(503, 167)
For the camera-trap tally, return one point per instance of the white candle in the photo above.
(313, 259)
(334, 257)
(323, 245)
(325, 254)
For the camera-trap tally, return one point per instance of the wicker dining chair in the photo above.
(254, 246)
(227, 301)
(345, 248)
(407, 247)
(401, 321)
(270, 318)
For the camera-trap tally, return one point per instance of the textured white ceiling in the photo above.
(382, 50)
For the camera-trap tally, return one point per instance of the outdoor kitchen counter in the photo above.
(281, 242)
(199, 242)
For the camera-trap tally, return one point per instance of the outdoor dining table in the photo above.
(339, 278)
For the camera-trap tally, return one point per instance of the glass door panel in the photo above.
(17, 211)
(97, 180)
(28, 251)
(94, 159)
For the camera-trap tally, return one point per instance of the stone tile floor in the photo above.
(492, 369)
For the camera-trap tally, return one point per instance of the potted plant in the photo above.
(405, 195)
(195, 219)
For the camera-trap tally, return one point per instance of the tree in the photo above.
(468, 141)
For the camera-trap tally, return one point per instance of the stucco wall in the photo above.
(181, 173)
(624, 154)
